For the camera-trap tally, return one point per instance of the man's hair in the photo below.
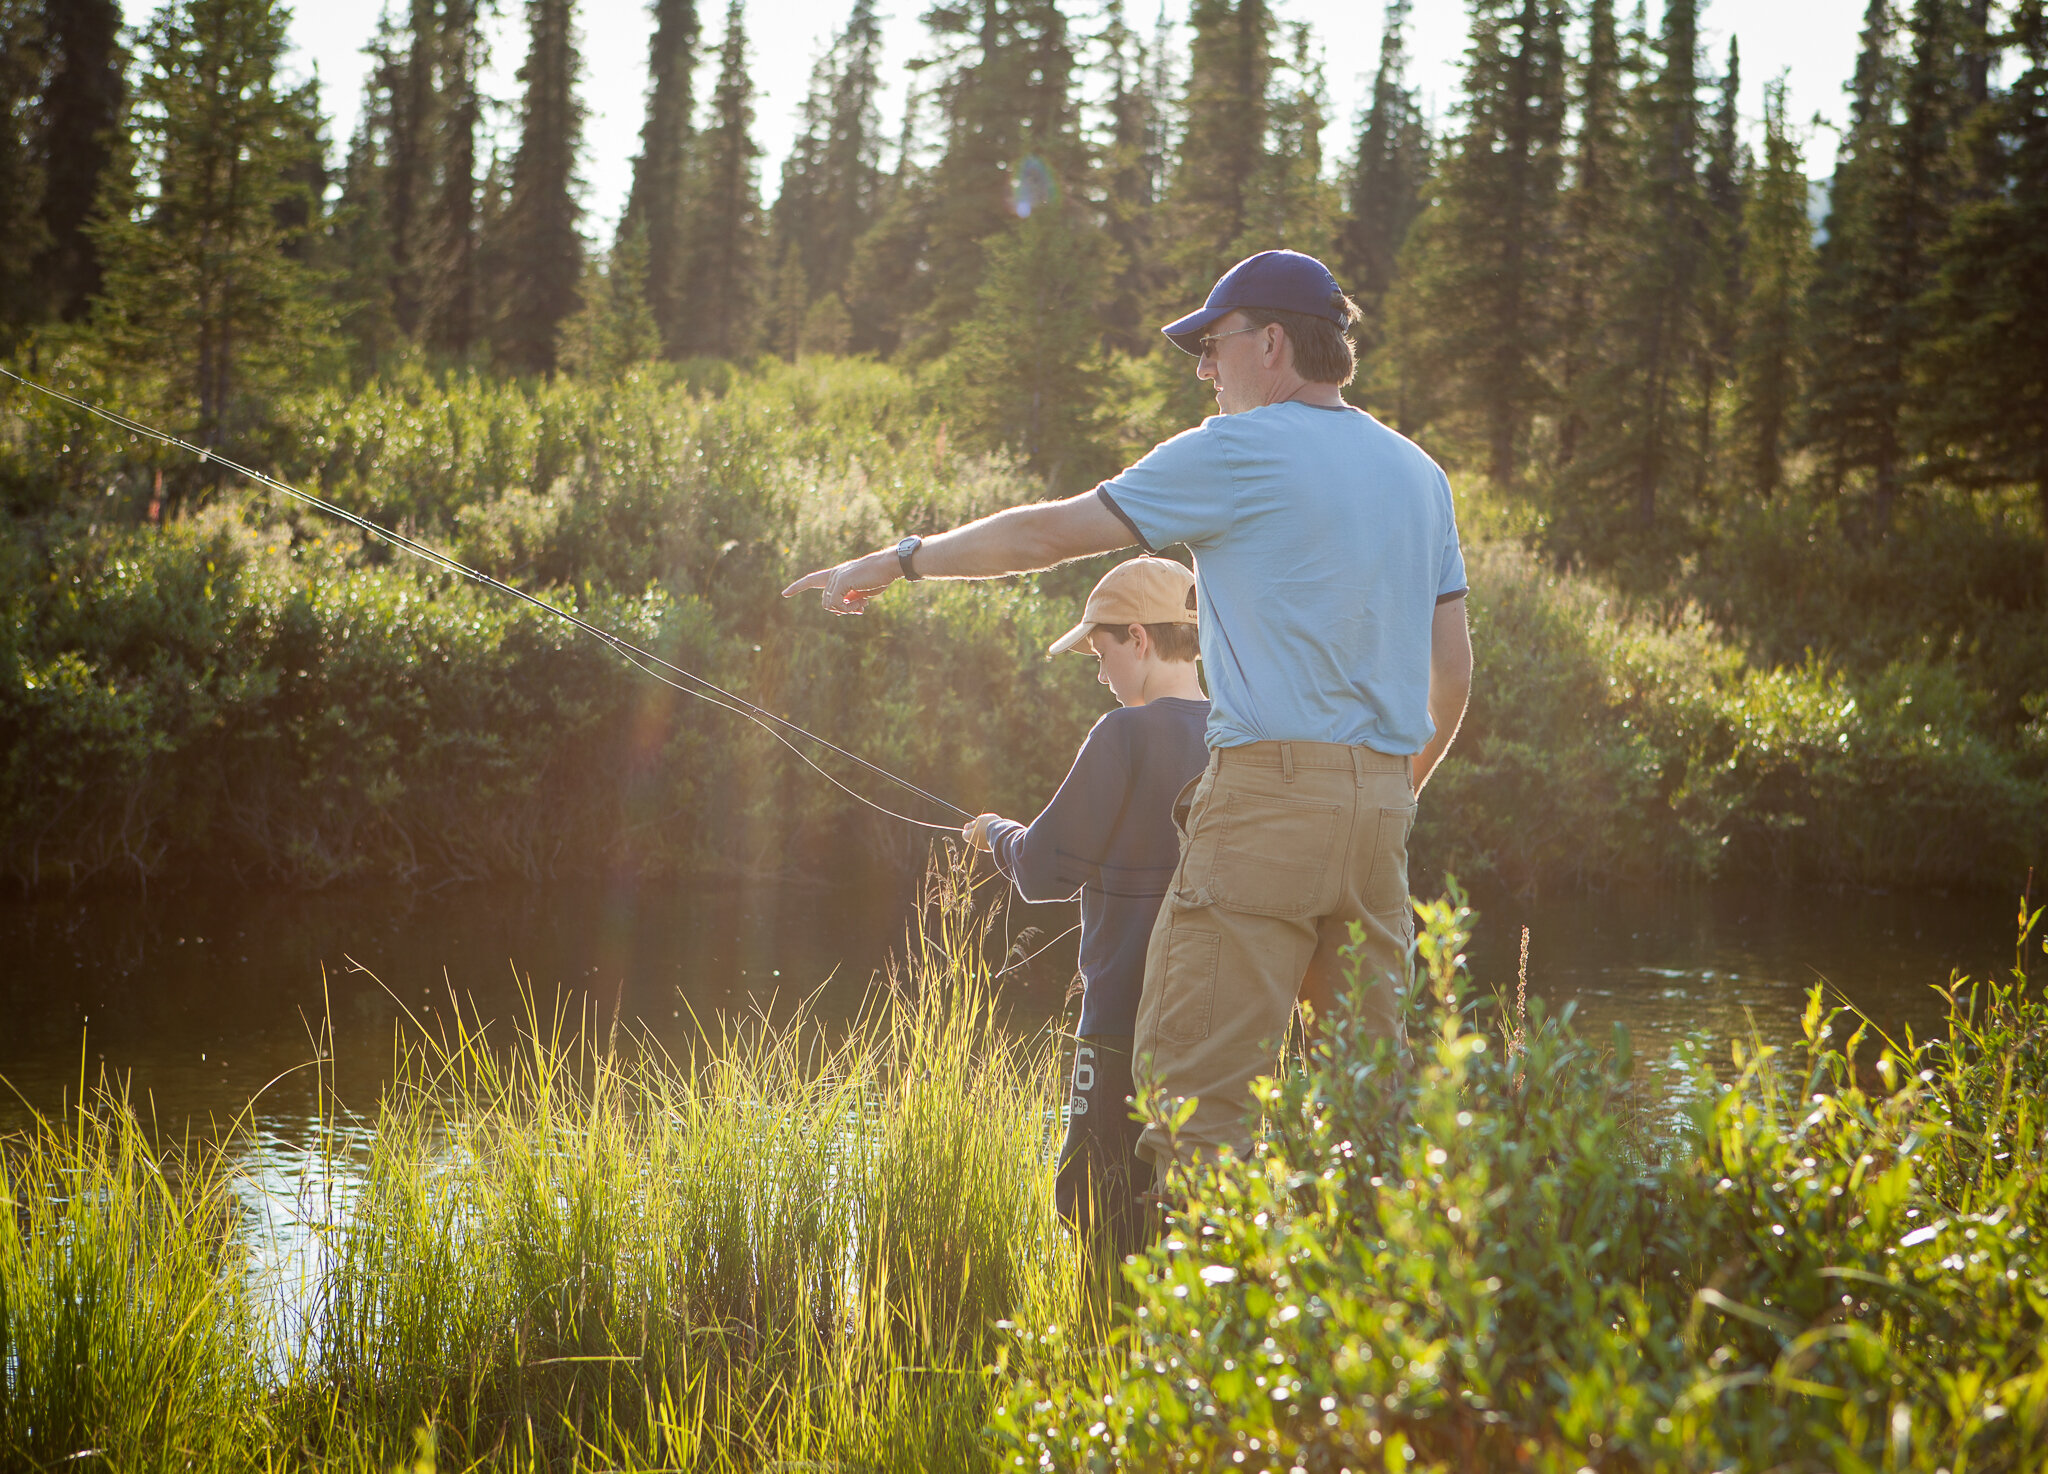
(1323, 351)
(1173, 641)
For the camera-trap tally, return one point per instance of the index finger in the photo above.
(816, 580)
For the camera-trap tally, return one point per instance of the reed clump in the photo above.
(794, 1247)
(791, 1247)
(125, 1325)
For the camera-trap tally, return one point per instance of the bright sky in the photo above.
(1812, 41)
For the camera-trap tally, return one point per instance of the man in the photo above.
(1331, 592)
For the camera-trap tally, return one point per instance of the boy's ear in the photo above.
(1142, 638)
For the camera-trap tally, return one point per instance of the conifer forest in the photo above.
(1753, 464)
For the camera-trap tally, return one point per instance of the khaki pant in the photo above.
(1283, 846)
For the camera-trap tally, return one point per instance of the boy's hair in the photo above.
(1323, 351)
(1172, 641)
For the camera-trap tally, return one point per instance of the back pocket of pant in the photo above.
(1188, 983)
(1264, 856)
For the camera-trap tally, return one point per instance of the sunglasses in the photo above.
(1208, 345)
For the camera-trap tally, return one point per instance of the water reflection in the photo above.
(205, 1001)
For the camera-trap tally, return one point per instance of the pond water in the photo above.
(202, 1000)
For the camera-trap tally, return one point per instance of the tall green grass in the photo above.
(125, 1323)
(791, 1246)
(564, 1249)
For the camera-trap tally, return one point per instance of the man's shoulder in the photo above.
(1290, 420)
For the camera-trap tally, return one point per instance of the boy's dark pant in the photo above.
(1100, 1172)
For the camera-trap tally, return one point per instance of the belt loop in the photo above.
(1358, 765)
(1287, 762)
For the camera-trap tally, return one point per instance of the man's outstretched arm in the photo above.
(1450, 684)
(1016, 540)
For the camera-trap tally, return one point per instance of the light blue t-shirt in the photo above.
(1323, 543)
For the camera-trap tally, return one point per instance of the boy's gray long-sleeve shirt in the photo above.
(1109, 834)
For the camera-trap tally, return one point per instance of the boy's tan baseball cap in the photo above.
(1141, 591)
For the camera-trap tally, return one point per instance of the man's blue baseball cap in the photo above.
(1282, 281)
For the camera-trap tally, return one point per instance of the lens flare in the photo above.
(1031, 186)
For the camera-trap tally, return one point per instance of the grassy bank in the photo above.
(568, 1251)
(246, 690)
(836, 1252)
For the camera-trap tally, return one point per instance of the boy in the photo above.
(1110, 834)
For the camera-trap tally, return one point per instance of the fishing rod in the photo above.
(645, 660)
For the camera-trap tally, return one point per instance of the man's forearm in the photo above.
(1447, 721)
(1019, 540)
(1450, 684)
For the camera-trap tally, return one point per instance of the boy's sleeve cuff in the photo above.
(1003, 836)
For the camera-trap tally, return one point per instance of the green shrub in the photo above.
(1604, 745)
(255, 690)
(1492, 1259)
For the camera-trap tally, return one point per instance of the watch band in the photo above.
(905, 551)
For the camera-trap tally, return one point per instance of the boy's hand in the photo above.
(975, 830)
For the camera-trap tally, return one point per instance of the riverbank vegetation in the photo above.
(1754, 498)
(254, 691)
(801, 1250)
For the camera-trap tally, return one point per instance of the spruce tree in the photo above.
(1912, 214)
(80, 121)
(538, 249)
(886, 284)
(1132, 166)
(202, 297)
(1770, 351)
(613, 331)
(405, 68)
(1010, 143)
(1223, 143)
(22, 234)
(831, 180)
(301, 207)
(722, 300)
(361, 242)
(1485, 263)
(850, 158)
(1896, 184)
(1025, 371)
(1723, 181)
(451, 287)
(656, 206)
(1388, 175)
(1596, 240)
(1981, 375)
(1294, 205)
(1636, 361)
(1664, 299)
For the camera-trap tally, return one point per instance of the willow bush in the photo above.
(1499, 1257)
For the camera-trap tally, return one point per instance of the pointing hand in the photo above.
(846, 588)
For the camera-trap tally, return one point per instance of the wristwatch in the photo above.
(905, 551)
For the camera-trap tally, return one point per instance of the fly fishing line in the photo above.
(645, 660)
